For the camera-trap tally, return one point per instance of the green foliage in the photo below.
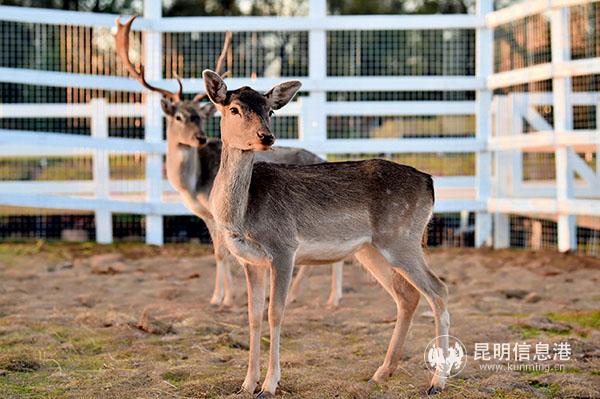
(102, 6)
(361, 7)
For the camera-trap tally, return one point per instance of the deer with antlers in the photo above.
(193, 160)
(273, 216)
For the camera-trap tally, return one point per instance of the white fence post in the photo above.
(483, 125)
(153, 122)
(502, 126)
(101, 171)
(518, 108)
(563, 122)
(314, 122)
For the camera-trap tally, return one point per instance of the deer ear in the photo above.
(282, 94)
(215, 87)
(208, 110)
(167, 106)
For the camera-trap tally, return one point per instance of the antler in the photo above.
(220, 67)
(122, 44)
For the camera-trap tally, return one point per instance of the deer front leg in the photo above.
(223, 281)
(217, 296)
(336, 284)
(281, 276)
(255, 280)
(228, 261)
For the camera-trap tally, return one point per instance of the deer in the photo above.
(273, 216)
(192, 162)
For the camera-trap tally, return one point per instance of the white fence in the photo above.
(491, 190)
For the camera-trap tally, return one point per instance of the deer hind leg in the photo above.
(297, 284)
(256, 282)
(406, 298)
(281, 276)
(410, 262)
(335, 295)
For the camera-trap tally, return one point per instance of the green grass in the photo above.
(584, 318)
(528, 331)
(533, 332)
(549, 390)
(176, 377)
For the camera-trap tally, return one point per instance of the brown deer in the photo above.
(193, 160)
(273, 216)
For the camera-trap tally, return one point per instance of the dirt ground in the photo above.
(137, 324)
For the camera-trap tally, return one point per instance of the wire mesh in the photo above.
(588, 235)
(539, 232)
(377, 127)
(430, 52)
(522, 43)
(585, 30)
(449, 52)
(526, 42)
(252, 54)
(62, 48)
(400, 96)
(436, 164)
(451, 230)
(178, 229)
(535, 233)
(30, 224)
(395, 7)
(128, 227)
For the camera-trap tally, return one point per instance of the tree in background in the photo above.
(363, 7)
(107, 6)
(209, 8)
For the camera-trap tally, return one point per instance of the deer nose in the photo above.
(266, 138)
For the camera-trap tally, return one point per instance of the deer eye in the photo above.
(234, 111)
(178, 117)
(194, 118)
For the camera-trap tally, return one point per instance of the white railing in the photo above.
(483, 193)
(575, 191)
(103, 195)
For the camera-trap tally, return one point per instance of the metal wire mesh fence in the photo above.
(430, 137)
(531, 43)
(401, 53)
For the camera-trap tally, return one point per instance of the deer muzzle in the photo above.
(266, 138)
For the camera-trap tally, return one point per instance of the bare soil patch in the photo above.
(136, 323)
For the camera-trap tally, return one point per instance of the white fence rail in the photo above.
(497, 187)
(574, 190)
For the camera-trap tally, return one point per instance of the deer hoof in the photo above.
(243, 392)
(433, 390)
(264, 395)
(228, 303)
(332, 304)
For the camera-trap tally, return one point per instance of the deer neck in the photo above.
(229, 197)
(191, 172)
(183, 167)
